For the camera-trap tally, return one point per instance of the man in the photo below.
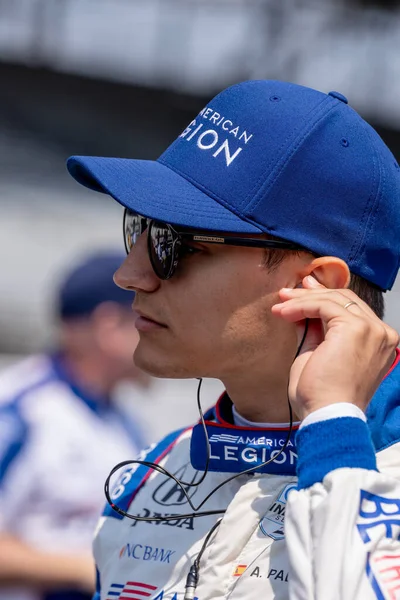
(60, 434)
(277, 199)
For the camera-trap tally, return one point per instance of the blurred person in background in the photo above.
(60, 433)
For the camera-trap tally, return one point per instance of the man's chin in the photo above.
(159, 366)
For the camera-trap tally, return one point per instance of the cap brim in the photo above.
(155, 191)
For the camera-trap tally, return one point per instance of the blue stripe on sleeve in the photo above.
(13, 434)
(333, 444)
(14, 431)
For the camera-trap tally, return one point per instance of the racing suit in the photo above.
(56, 446)
(321, 522)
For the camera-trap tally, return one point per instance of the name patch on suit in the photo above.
(235, 450)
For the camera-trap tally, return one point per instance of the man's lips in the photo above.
(145, 322)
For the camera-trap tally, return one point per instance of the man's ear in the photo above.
(330, 271)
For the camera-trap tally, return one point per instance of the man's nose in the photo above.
(136, 272)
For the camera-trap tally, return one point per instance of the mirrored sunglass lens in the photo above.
(161, 245)
(134, 226)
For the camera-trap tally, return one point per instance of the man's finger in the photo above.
(310, 282)
(343, 297)
(315, 307)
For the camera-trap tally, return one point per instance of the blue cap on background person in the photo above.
(272, 157)
(91, 283)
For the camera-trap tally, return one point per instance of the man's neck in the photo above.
(260, 402)
(240, 421)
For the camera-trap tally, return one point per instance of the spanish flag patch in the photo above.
(240, 569)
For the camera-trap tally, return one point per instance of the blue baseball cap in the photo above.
(271, 157)
(90, 283)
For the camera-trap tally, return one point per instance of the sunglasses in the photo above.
(166, 244)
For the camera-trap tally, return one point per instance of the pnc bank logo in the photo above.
(169, 493)
(146, 553)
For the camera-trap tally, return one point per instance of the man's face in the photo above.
(213, 315)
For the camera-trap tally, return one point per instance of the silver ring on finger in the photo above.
(348, 304)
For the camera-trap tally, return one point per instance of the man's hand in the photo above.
(346, 353)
